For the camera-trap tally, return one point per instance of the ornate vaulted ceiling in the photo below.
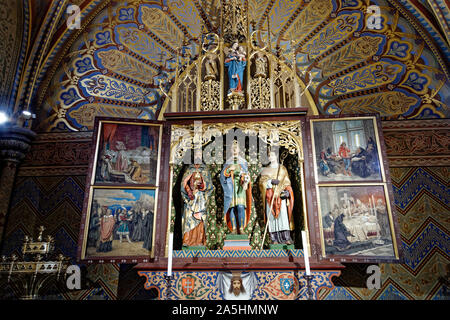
(113, 65)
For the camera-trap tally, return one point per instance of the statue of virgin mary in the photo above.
(235, 62)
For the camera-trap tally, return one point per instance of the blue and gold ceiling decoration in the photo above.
(117, 62)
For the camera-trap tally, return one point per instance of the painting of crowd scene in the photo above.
(127, 154)
(121, 223)
(346, 150)
(355, 221)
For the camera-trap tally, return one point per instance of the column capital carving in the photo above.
(15, 142)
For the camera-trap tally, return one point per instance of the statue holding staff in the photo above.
(235, 181)
(278, 200)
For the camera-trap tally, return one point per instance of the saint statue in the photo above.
(196, 187)
(210, 67)
(235, 181)
(260, 64)
(235, 62)
(278, 200)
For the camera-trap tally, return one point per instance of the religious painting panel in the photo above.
(346, 149)
(123, 194)
(127, 153)
(351, 199)
(120, 224)
(356, 221)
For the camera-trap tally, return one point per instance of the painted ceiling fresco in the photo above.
(116, 64)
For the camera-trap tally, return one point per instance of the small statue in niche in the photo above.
(235, 181)
(260, 65)
(210, 67)
(235, 62)
(278, 200)
(196, 187)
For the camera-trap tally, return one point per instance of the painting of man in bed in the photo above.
(127, 154)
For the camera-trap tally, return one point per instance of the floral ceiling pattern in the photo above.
(123, 60)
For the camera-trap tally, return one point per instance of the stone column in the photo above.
(15, 142)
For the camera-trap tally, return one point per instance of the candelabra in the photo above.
(38, 265)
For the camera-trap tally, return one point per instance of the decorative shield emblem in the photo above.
(187, 285)
(287, 285)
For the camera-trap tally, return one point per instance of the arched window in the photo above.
(350, 132)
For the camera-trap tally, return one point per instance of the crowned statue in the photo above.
(278, 200)
(236, 184)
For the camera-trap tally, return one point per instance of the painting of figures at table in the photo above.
(127, 154)
(120, 223)
(346, 150)
(355, 221)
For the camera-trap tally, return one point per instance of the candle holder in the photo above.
(169, 285)
(39, 265)
(309, 286)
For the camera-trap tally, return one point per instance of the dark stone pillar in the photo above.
(14, 144)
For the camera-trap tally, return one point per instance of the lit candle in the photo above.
(305, 253)
(169, 262)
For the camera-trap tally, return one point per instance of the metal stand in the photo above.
(38, 266)
(309, 286)
(169, 286)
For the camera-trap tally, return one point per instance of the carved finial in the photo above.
(41, 231)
